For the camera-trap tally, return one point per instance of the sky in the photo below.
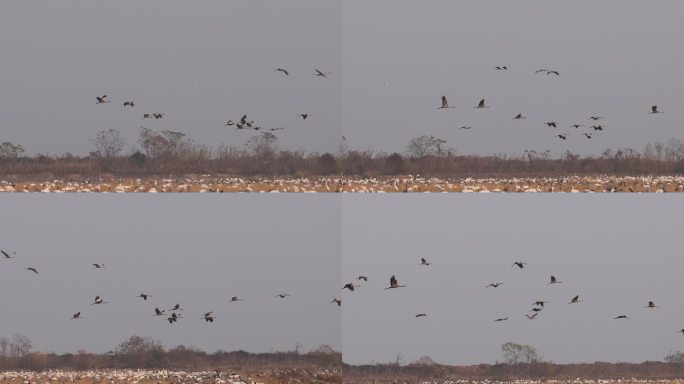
(616, 252)
(194, 250)
(202, 64)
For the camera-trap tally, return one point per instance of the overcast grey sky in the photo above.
(197, 251)
(391, 61)
(616, 252)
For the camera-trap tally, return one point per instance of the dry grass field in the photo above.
(209, 184)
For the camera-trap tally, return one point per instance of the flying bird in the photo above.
(563, 136)
(424, 262)
(158, 115)
(540, 303)
(519, 116)
(595, 117)
(128, 104)
(321, 74)
(532, 317)
(445, 103)
(620, 317)
(577, 125)
(481, 104)
(502, 319)
(503, 68)
(681, 330)
(304, 115)
(394, 283)
(76, 315)
(350, 286)
(7, 256)
(551, 124)
(282, 295)
(98, 266)
(362, 277)
(465, 127)
(32, 270)
(553, 72)
(98, 300)
(144, 296)
(554, 281)
(654, 109)
(519, 264)
(176, 308)
(421, 315)
(587, 135)
(234, 298)
(208, 317)
(283, 71)
(597, 127)
(337, 301)
(575, 300)
(229, 123)
(101, 100)
(173, 318)
(495, 285)
(651, 305)
(147, 116)
(158, 312)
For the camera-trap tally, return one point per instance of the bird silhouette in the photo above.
(158, 312)
(597, 127)
(304, 115)
(481, 104)
(595, 118)
(98, 266)
(76, 315)
(7, 256)
(519, 264)
(562, 136)
(532, 317)
(424, 262)
(620, 317)
(282, 295)
(101, 99)
(445, 103)
(128, 104)
(32, 270)
(575, 300)
(283, 71)
(577, 125)
(337, 301)
(98, 300)
(519, 116)
(321, 74)
(234, 298)
(421, 315)
(209, 317)
(394, 283)
(501, 319)
(553, 280)
(143, 296)
(654, 109)
(495, 285)
(466, 127)
(350, 286)
(176, 308)
(502, 68)
(651, 305)
(362, 277)
(551, 124)
(587, 135)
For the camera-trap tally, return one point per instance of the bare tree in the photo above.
(108, 143)
(4, 342)
(422, 146)
(398, 358)
(20, 346)
(10, 151)
(262, 145)
(517, 353)
(674, 357)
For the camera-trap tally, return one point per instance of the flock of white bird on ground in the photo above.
(537, 306)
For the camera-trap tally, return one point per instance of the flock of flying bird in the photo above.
(241, 124)
(563, 136)
(172, 314)
(537, 305)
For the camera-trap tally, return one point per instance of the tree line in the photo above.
(169, 153)
(147, 353)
